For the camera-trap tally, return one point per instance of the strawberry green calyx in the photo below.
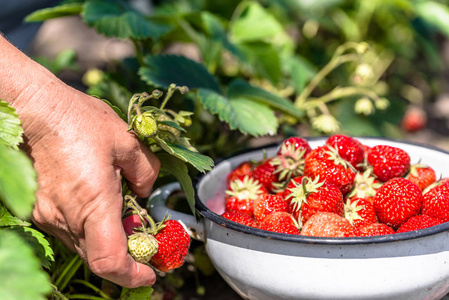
(301, 190)
(352, 211)
(290, 164)
(337, 159)
(142, 246)
(365, 185)
(248, 188)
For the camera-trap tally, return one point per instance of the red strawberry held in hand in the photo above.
(174, 242)
(327, 224)
(388, 162)
(396, 201)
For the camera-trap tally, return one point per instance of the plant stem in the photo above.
(68, 272)
(93, 287)
(338, 93)
(331, 65)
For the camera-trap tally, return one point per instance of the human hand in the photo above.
(80, 147)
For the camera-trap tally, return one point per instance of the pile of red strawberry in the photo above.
(342, 188)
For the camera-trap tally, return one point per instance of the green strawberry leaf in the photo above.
(176, 167)
(10, 126)
(256, 24)
(21, 276)
(172, 124)
(240, 88)
(434, 13)
(117, 19)
(265, 60)
(62, 10)
(201, 162)
(7, 219)
(164, 70)
(217, 32)
(140, 293)
(17, 182)
(241, 113)
(38, 243)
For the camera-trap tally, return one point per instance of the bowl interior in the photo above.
(210, 188)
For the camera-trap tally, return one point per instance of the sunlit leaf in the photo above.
(21, 276)
(200, 161)
(240, 88)
(265, 59)
(248, 116)
(10, 126)
(163, 70)
(17, 182)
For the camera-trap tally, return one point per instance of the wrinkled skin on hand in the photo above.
(80, 147)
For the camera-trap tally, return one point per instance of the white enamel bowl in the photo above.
(264, 265)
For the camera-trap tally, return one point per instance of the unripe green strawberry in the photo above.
(145, 125)
(142, 246)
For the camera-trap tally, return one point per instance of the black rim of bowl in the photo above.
(210, 215)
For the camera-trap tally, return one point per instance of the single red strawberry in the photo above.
(265, 174)
(327, 224)
(266, 204)
(305, 197)
(348, 148)
(373, 229)
(241, 194)
(396, 201)
(418, 222)
(131, 221)
(325, 162)
(239, 217)
(436, 203)
(280, 221)
(359, 212)
(421, 175)
(291, 144)
(173, 243)
(289, 160)
(243, 169)
(414, 119)
(365, 186)
(388, 162)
